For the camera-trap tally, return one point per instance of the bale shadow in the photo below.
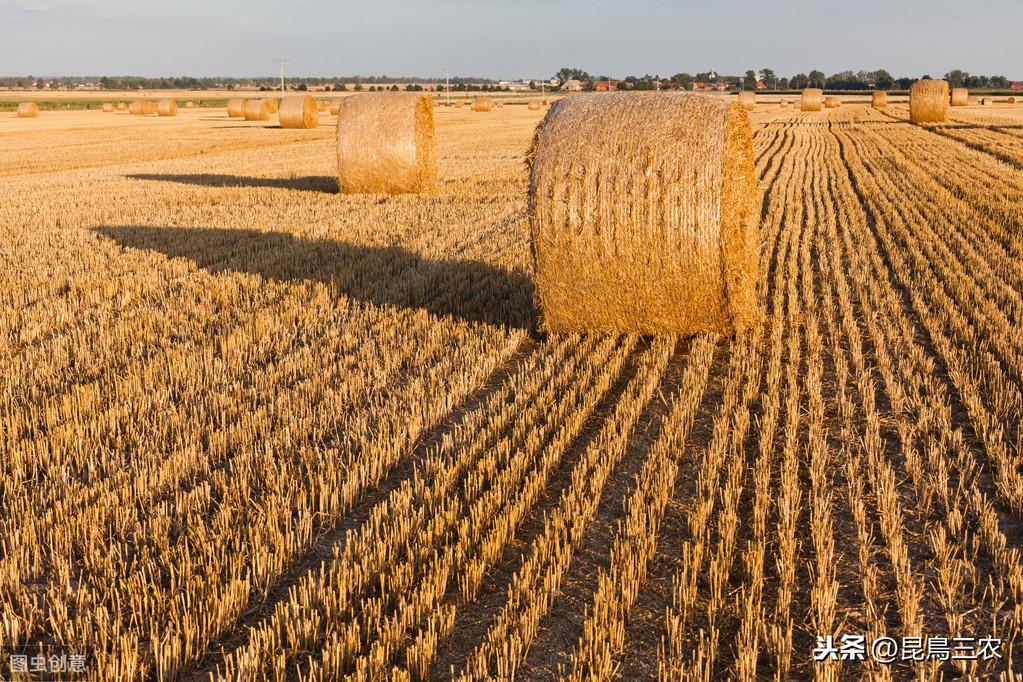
(309, 183)
(390, 276)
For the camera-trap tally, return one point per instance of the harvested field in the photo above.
(254, 428)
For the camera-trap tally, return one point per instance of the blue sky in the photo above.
(515, 38)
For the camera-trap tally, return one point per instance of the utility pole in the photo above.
(282, 62)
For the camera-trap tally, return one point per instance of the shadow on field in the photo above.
(473, 291)
(309, 183)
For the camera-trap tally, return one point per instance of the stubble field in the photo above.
(256, 429)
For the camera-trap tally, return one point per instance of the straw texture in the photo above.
(482, 104)
(534, 105)
(108, 107)
(190, 104)
(642, 215)
(748, 100)
(832, 102)
(973, 100)
(272, 103)
(386, 144)
(28, 110)
(142, 107)
(256, 110)
(960, 97)
(236, 108)
(299, 111)
(928, 101)
(167, 107)
(812, 99)
(879, 100)
(121, 106)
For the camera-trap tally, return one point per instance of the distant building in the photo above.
(572, 85)
(718, 85)
(760, 85)
(602, 86)
(1016, 85)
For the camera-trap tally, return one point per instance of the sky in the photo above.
(509, 39)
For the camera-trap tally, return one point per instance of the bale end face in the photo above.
(386, 144)
(879, 100)
(107, 107)
(236, 108)
(960, 97)
(256, 110)
(811, 99)
(482, 104)
(167, 107)
(650, 229)
(747, 100)
(928, 101)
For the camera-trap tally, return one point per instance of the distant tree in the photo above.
(394, 88)
(999, 82)
(769, 78)
(684, 80)
(302, 87)
(799, 81)
(956, 77)
(567, 74)
(749, 81)
(904, 83)
(817, 79)
(883, 80)
(926, 77)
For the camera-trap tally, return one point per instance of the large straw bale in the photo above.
(386, 144)
(987, 101)
(256, 110)
(928, 101)
(142, 107)
(167, 107)
(748, 100)
(482, 104)
(299, 111)
(643, 215)
(973, 101)
(879, 100)
(236, 108)
(832, 102)
(812, 99)
(960, 97)
(273, 104)
(107, 107)
(28, 110)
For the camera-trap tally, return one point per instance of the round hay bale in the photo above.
(748, 100)
(832, 102)
(482, 104)
(272, 103)
(643, 215)
(812, 99)
(928, 101)
(334, 108)
(299, 111)
(236, 108)
(879, 100)
(1011, 100)
(256, 110)
(190, 104)
(108, 107)
(987, 101)
(28, 110)
(973, 101)
(122, 106)
(960, 97)
(142, 107)
(534, 105)
(167, 107)
(386, 144)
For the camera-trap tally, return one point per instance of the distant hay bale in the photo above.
(482, 104)
(121, 106)
(960, 97)
(299, 111)
(190, 104)
(973, 101)
(386, 144)
(1011, 100)
(643, 215)
(321, 105)
(272, 103)
(142, 107)
(167, 107)
(832, 102)
(748, 100)
(108, 107)
(987, 101)
(28, 110)
(784, 104)
(236, 108)
(334, 108)
(256, 110)
(458, 105)
(535, 105)
(812, 99)
(928, 101)
(879, 100)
